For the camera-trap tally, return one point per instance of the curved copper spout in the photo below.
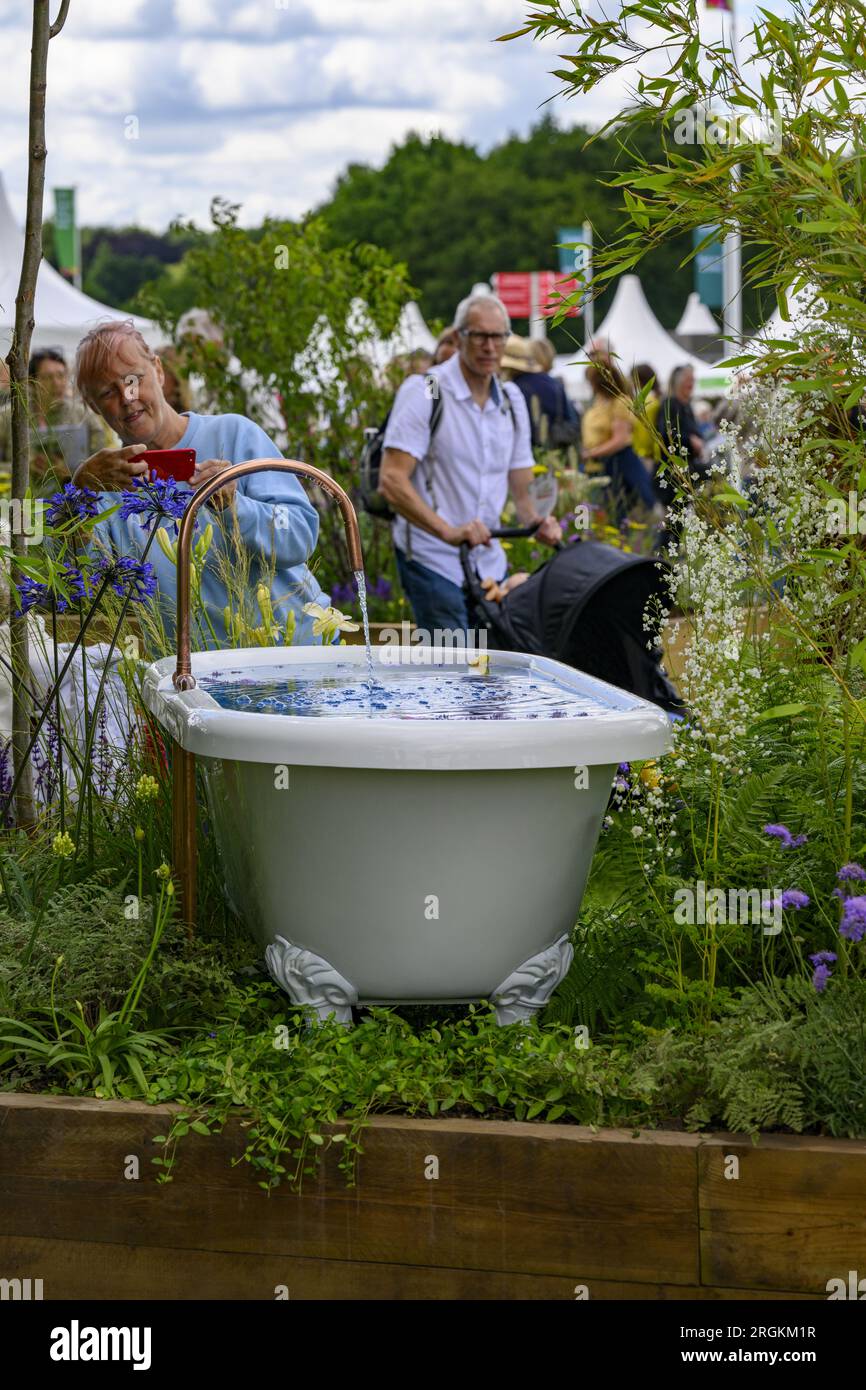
(183, 678)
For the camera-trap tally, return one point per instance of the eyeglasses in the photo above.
(475, 336)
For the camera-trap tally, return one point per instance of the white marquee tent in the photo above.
(633, 333)
(697, 321)
(804, 313)
(63, 314)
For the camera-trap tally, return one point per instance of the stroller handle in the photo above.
(503, 533)
(513, 532)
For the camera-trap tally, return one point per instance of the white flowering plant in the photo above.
(766, 786)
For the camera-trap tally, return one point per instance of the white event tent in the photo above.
(633, 334)
(806, 309)
(62, 313)
(697, 321)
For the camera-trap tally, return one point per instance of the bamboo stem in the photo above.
(17, 360)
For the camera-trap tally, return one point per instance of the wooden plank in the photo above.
(87, 1269)
(532, 1167)
(355, 1229)
(557, 1205)
(553, 1200)
(794, 1218)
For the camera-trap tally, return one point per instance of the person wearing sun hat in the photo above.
(554, 420)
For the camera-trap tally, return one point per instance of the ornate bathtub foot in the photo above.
(310, 981)
(529, 987)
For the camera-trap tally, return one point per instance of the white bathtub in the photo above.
(385, 860)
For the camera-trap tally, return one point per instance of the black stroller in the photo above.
(585, 607)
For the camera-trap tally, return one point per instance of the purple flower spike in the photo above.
(779, 832)
(852, 871)
(793, 898)
(853, 924)
(822, 960)
(783, 834)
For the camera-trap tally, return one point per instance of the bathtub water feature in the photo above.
(454, 692)
(426, 841)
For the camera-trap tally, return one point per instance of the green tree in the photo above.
(116, 279)
(456, 216)
(302, 318)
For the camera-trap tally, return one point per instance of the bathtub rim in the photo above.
(633, 729)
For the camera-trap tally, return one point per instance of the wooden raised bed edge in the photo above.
(446, 1208)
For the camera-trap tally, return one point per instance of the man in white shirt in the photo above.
(456, 490)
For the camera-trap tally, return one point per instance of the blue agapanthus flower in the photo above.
(71, 585)
(71, 503)
(154, 500)
(31, 594)
(75, 585)
(128, 578)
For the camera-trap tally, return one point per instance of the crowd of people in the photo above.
(501, 402)
(498, 402)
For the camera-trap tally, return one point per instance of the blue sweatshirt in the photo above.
(283, 538)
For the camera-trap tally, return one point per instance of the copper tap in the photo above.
(183, 678)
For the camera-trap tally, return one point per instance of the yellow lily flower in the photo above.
(327, 621)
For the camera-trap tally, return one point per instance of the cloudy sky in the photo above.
(155, 106)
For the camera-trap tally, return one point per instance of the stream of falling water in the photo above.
(362, 599)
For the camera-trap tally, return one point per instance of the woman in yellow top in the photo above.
(606, 436)
(645, 439)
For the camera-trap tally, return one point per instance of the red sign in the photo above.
(552, 289)
(514, 288)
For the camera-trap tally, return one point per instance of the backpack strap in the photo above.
(509, 404)
(435, 420)
(436, 408)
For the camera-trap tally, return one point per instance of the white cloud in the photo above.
(261, 103)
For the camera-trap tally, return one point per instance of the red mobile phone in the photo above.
(170, 463)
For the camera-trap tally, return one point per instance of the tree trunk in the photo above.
(19, 355)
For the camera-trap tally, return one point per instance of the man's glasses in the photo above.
(476, 336)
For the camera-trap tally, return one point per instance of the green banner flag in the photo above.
(708, 268)
(66, 234)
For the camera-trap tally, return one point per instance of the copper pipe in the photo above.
(184, 805)
(183, 833)
(183, 678)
